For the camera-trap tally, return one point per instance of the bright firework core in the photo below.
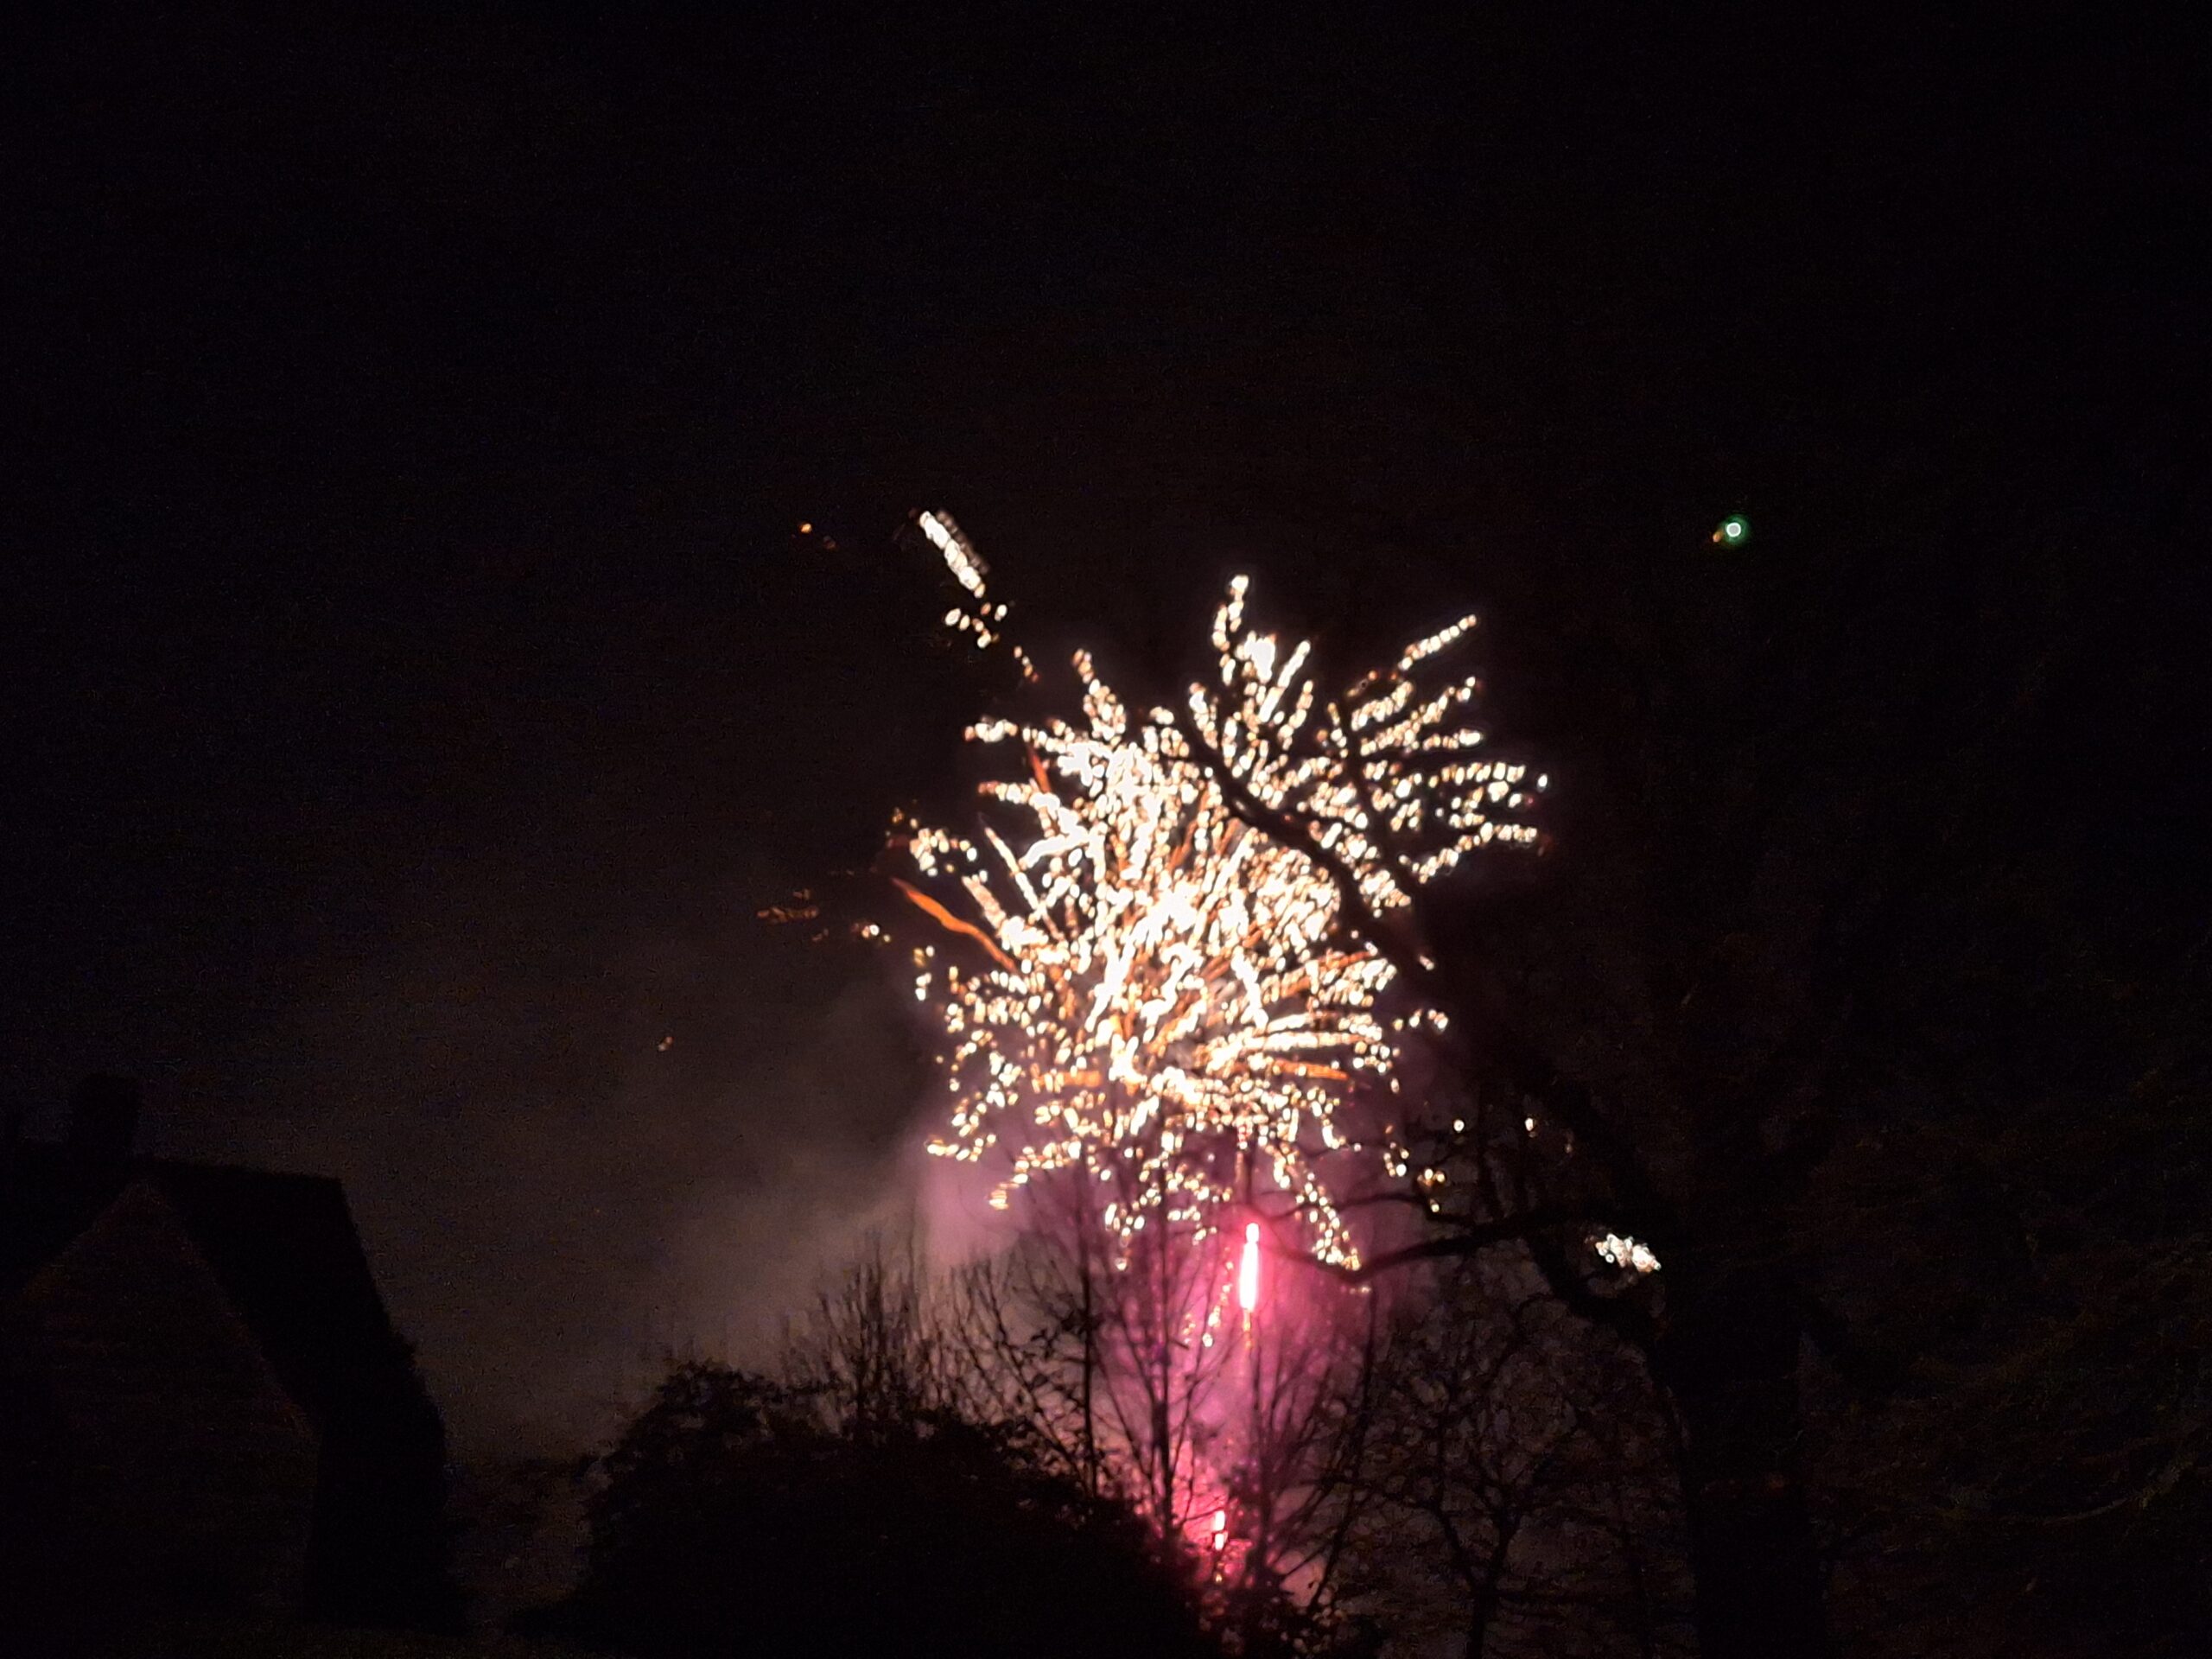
(1166, 995)
(1247, 1270)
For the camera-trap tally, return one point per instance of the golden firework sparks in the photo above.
(1170, 999)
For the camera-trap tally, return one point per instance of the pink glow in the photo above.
(1248, 1271)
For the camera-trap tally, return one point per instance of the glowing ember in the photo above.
(1630, 1253)
(1169, 999)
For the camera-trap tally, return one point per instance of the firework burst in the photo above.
(1167, 997)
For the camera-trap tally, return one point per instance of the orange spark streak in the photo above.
(945, 919)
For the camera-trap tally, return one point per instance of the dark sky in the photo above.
(414, 682)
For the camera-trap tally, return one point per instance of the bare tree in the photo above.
(1780, 785)
(1522, 1460)
(1244, 1438)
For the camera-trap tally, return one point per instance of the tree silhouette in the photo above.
(742, 1515)
(1787, 794)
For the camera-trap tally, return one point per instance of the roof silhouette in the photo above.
(284, 1247)
(284, 1250)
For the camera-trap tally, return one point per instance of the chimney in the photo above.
(104, 1118)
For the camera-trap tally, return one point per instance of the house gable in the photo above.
(187, 1473)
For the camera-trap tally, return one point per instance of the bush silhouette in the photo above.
(741, 1515)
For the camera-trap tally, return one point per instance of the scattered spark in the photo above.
(666, 1044)
(1626, 1253)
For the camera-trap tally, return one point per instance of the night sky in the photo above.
(414, 679)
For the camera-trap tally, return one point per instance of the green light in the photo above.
(1734, 531)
